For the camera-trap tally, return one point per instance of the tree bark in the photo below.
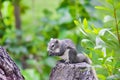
(8, 69)
(17, 14)
(78, 71)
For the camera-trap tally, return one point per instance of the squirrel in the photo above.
(66, 50)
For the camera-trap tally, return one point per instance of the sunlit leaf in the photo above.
(102, 32)
(76, 22)
(101, 77)
(31, 74)
(95, 30)
(110, 1)
(118, 6)
(113, 34)
(102, 8)
(85, 23)
(81, 30)
(110, 59)
(86, 43)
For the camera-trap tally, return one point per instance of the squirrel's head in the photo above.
(53, 47)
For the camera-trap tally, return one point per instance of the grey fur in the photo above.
(63, 46)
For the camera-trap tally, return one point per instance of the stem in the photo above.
(116, 23)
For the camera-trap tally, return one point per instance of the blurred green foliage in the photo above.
(93, 25)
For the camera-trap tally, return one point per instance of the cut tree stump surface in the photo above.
(78, 71)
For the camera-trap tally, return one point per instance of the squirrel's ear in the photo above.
(51, 39)
(56, 41)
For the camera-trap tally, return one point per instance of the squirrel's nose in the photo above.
(51, 54)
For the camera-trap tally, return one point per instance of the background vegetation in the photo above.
(26, 26)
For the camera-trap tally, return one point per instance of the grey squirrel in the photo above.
(66, 50)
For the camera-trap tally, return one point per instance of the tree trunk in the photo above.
(78, 71)
(17, 14)
(17, 17)
(8, 69)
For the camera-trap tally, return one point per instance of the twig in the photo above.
(116, 23)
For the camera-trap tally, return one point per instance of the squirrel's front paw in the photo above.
(61, 61)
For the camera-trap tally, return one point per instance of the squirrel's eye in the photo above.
(52, 45)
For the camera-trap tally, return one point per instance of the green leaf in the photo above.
(104, 51)
(113, 34)
(83, 32)
(101, 77)
(102, 8)
(118, 6)
(110, 1)
(85, 23)
(76, 22)
(103, 31)
(109, 59)
(31, 74)
(86, 43)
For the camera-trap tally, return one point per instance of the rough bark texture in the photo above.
(8, 69)
(79, 71)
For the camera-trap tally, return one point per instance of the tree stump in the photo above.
(77, 71)
(8, 69)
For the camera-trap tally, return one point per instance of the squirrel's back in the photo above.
(67, 43)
